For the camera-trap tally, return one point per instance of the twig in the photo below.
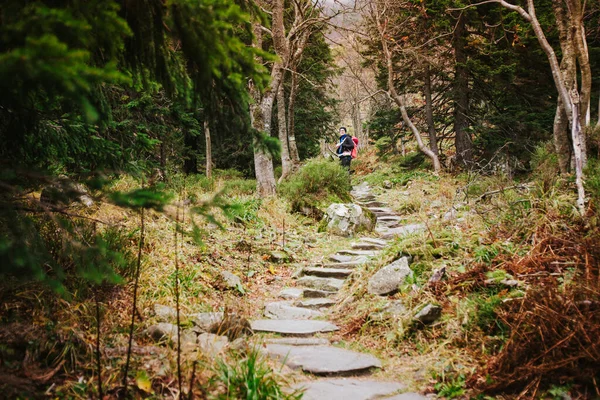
(135, 289)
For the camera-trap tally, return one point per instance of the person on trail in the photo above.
(344, 148)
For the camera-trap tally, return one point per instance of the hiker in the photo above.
(344, 148)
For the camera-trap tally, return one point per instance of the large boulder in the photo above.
(64, 192)
(389, 278)
(348, 219)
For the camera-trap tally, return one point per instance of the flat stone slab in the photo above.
(328, 284)
(347, 265)
(289, 341)
(316, 294)
(374, 204)
(348, 389)
(376, 241)
(299, 327)
(323, 360)
(343, 259)
(291, 293)
(285, 310)
(381, 210)
(388, 233)
(327, 272)
(315, 303)
(367, 253)
(388, 218)
(365, 246)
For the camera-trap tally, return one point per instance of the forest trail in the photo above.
(300, 319)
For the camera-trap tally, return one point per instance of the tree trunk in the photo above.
(286, 161)
(208, 150)
(562, 144)
(294, 155)
(356, 120)
(578, 144)
(462, 141)
(429, 111)
(260, 113)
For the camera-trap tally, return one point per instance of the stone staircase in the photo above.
(302, 314)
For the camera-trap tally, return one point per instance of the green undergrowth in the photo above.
(315, 186)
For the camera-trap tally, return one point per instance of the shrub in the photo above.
(240, 186)
(317, 182)
(250, 379)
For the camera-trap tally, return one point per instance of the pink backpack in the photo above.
(355, 149)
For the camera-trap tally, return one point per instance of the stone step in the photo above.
(347, 265)
(315, 304)
(291, 341)
(291, 293)
(382, 210)
(317, 294)
(365, 246)
(389, 233)
(367, 253)
(379, 242)
(292, 327)
(342, 259)
(394, 218)
(348, 389)
(373, 204)
(327, 272)
(286, 310)
(322, 360)
(315, 282)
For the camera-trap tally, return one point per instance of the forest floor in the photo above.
(469, 232)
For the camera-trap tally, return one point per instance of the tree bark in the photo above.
(294, 155)
(562, 144)
(356, 120)
(462, 140)
(286, 161)
(429, 111)
(208, 150)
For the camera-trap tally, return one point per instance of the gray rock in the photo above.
(323, 360)
(285, 310)
(231, 281)
(367, 245)
(387, 184)
(394, 309)
(292, 327)
(388, 279)
(299, 341)
(429, 314)
(212, 344)
(315, 303)
(348, 219)
(165, 313)
(280, 257)
(382, 210)
(438, 275)
(328, 284)
(162, 331)
(65, 192)
(291, 293)
(205, 320)
(327, 272)
(348, 389)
